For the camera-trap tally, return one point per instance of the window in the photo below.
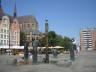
(1, 36)
(4, 20)
(1, 42)
(4, 31)
(14, 37)
(28, 25)
(4, 42)
(15, 33)
(4, 36)
(13, 42)
(7, 42)
(32, 25)
(7, 31)
(1, 30)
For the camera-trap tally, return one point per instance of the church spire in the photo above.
(0, 3)
(1, 11)
(15, 11)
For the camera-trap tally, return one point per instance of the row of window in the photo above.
(4, 42)
(7, 37)
(28, 25)
(4, 31)
(4, 36)
(89, 42)
(86, 34)
(14, 43)
(88, 46)
(7, 32)
(15, 33)
(15, 38)
(89, 38)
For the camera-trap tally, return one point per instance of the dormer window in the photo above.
(4, 20)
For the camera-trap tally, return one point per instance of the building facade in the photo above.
(29, 25)
(9, 29)
(11, 26)
(15, 30)
(88, 39)
(4, 30)
(15, 33)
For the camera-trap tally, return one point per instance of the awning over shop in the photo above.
(12, 47)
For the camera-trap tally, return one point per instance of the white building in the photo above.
(4, 30)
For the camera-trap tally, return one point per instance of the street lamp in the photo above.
(9, 39)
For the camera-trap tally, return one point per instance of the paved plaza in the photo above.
(85, 62)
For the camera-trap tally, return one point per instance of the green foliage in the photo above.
(65, 43)
(41, 42)
(56, 40)
(59, 39)
(22, 38)
(52, 38)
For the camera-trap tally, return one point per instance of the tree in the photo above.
(52, 38)
(59, 39)
(22, 38)
(65, 43)
(42, 42)
(56, 40)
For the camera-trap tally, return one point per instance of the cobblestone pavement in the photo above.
(85, 62)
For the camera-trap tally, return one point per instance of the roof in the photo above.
(27, 19)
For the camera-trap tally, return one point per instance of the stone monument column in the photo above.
(46, 37)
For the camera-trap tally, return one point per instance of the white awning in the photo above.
(12, 47)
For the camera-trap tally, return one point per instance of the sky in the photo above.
(65, 17)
